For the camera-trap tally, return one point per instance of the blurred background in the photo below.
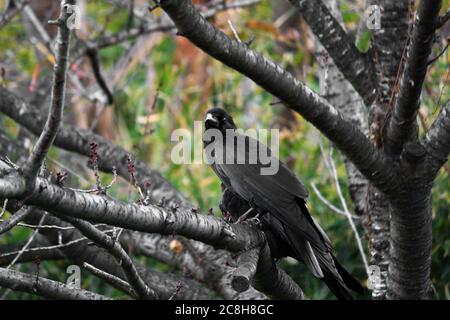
(159, 82)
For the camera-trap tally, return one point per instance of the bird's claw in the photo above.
(254, 221)
(244, 216)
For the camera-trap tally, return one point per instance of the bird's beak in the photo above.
(211, 120)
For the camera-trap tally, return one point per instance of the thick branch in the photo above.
(283, 85)
(44, 287)
(273, 280)
(341, 94)
(48, 135)
(388, 45)
(411, 233)
(356, 66)
(152, 219)
(246, 267)
(437, 141)
(208, 266)
(402, 126)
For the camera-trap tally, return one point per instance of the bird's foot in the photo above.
(254, 221)
(244, 216)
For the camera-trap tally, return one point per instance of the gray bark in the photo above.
(50, 289)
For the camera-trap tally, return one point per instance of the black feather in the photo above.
(280, 198)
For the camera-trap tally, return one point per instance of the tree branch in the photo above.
(437, 141)
(388, 45)
(160, 25)
(28, 243)
(341, 94)
(109, 156)
(443, 19)
(80, 252)
(116, 250)
(39, 249)
(10, 13)
(247, 263)
(208, 266)
(273, 280)
(292, 92)
(147, 219)
(75, 247)
(50, 289)
(402, 126)
(7, 225)
(356, 66)
(150, 218)
(115, 281)
(55, 114)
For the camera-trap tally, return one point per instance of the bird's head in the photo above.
(217, 118)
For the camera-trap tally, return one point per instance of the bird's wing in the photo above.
(284, 178)
(277, 194)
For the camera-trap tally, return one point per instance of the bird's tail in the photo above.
(324, 266)
(340, 281)
(348, 279)
(337, 287)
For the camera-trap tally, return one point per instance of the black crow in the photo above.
(278, 198)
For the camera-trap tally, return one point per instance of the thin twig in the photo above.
(324, 157)
(328, 203)
(116, 282)
(159, 26)
(50, 227)
(176, 292)
(30, 240)
(62, 166)
(99, 189)
(5, 203)
(48, 248)
(439, 55)
(37, 24)
(15, 219)
(347, 212)
(116, 250)
(147, 129)
(236, 35)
